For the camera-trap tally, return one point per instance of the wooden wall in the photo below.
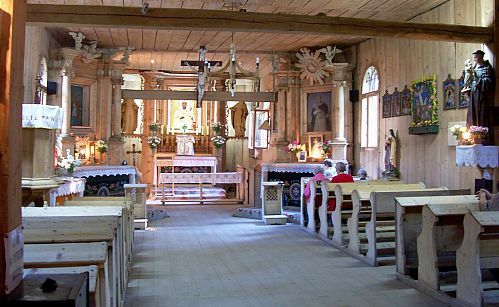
(426, 158)
(37, 44)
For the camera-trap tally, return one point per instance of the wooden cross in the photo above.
(133, 152)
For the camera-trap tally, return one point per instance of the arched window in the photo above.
(370, 107)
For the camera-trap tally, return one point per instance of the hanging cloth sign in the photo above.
(42, 116)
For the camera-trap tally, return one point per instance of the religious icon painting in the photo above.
(464, 97)
(395, 103)
(405, 102)
(424, 103)
(318, 111)
(450, 93)
(387, 102)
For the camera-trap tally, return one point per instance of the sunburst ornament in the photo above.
(311, 66)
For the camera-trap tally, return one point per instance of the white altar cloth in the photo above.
(185, 145)
(107, 170)
(477, 155)
(70, 186)
(192, 178)
(189, 161)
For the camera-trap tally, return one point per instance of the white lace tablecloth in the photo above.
(212, 178)
(69, 187)
(477, 155)
(292, 167)
(104, 170)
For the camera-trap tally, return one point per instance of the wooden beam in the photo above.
(192, 95)
(209, 20)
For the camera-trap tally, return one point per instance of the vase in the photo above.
(69, 173)
(477, 140)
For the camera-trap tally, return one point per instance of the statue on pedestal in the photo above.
(480, 111)
(129, 114)
(239, 112)
(391, 170)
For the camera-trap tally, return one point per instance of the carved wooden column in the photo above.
(67, 56)
(13, 17)
(117, 81)
(104, 96)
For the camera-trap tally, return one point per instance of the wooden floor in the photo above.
(202, 256)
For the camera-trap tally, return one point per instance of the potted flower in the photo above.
(295, 148)
(101, 146)
(218, 141)
(154, 127)
(69, 164)
(153, 142)
(217, 127)
(326, 147)
(478, 133)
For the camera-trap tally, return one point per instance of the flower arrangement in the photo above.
(69, 163)
(295, 147)
(153, 141)
(457, 131)
(101, 146)
(478, 132)
(326, 146)
(218, 140)
(154, 126)
(217, 127)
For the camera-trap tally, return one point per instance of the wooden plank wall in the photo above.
(37, 44)
(426, 158)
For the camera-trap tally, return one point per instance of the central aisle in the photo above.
(201, 256)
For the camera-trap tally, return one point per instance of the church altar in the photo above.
(107, 180)
(290, 174)
(185, 145)
(477, 155)
(183, 164)
(70, 186)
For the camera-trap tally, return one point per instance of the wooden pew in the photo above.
(81, 224)
(93, 279)
(138, 193)
(343, 210)
(37, 256)
(441, 235)
(479, 250)
(408, 226)
(310, 205)
(303, 204)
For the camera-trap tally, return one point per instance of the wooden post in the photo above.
(12, 27)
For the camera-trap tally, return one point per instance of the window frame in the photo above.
(368, 97)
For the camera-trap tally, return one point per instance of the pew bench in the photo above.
(69, 256)
(81, 225)
(479, 250)
(93, 279)
(409, 223)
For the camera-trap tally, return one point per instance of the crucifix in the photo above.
(203, 68)
(133, 152)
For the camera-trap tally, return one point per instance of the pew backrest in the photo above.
(384, 200)
(431, 199)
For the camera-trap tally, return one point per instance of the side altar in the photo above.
(107, 180)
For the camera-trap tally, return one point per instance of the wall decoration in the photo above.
(387, 98)
(311, 66)
(450, 93)
(315, 145)
(318, 111)
(80, 105)
(464, 98)
(183, 116)
(405, 99)
(424, 106)
(396, 103)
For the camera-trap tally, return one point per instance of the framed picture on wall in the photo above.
(405, 101)
(315, 145)
(395, 103)
(318, 111)
(464, 98)
(387, 105)
(450, 93)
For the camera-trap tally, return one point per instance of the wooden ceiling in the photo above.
(167, 47)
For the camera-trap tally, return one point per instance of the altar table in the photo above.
(107, 180)
(477, 155)
(70, 187)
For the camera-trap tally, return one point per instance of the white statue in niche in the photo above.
(78, 38)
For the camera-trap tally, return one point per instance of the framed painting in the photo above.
(424, 102)
(315, 145)
(318, 111)
(183, 116)
(405, 101)
(80, 105)
(387, 104)
(450, 93)
(464, 98)
(395, 103)
(302, 156)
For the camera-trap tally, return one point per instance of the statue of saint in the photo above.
(480, 111)
(390, 151)
(184, 117)
(129, 115)
(239, 112)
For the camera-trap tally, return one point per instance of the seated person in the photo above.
(328, 169)
(489, 202)
(342, 177)
(362, 174)
(318, 176)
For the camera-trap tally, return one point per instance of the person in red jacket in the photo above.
(342, 177)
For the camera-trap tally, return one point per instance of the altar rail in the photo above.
(236, 178)
(202, 144)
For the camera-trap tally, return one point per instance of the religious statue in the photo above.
(329, 53)
(78, 38)
(184, 118)
(320, 115)
(239, 112)
(129, 114)
(127, 51)
(90, 53)
(480, 111)
(468, 75)
(390, 155)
